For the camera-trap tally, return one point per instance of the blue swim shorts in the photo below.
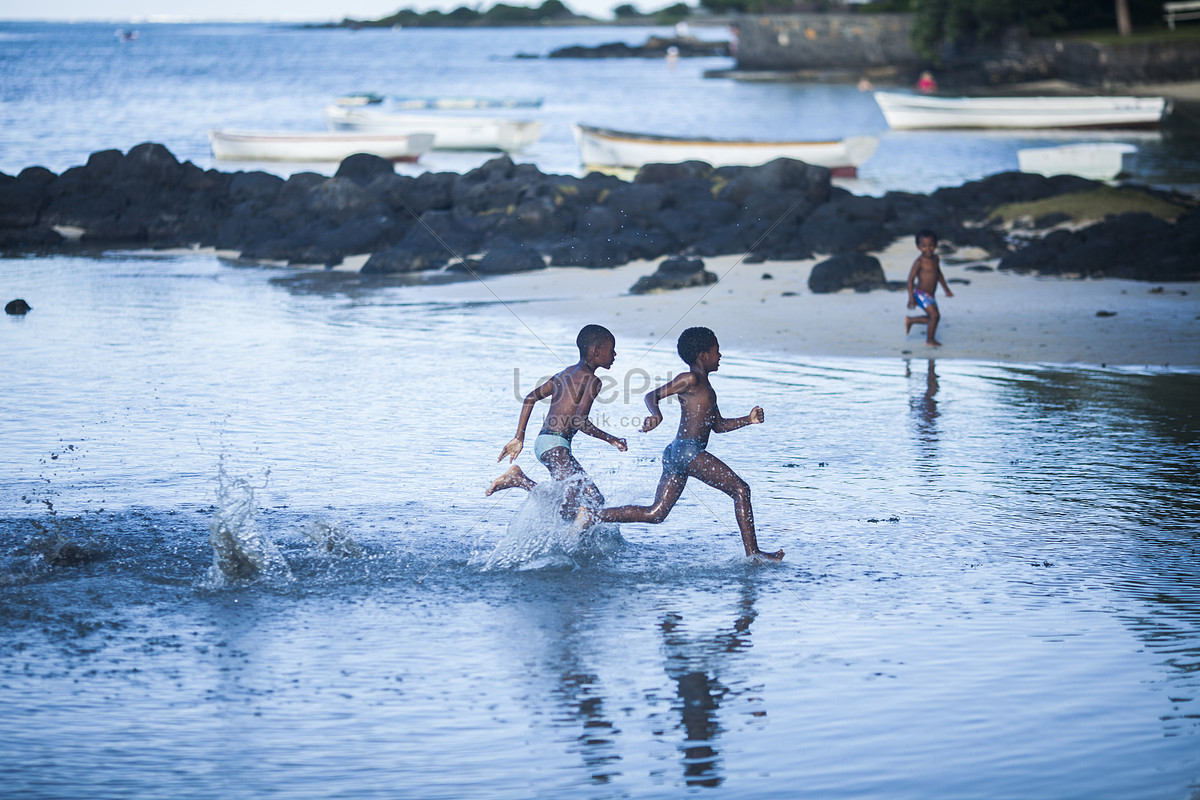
(680, 454)
(924, 300)
(546, 442)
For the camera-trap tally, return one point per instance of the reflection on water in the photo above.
(694, 662)
(925, 411)
(964, 541)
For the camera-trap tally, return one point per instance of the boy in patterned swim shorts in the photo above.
(926, 273)
(687, 455)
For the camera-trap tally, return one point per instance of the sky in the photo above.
(245, 10)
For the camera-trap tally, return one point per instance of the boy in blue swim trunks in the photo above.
(571, 393)
(926, 274)
(687, 456)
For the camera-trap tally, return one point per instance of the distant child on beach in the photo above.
(571, 393)
(926, 274)
(687, 456)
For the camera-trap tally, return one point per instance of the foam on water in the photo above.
(539, 537)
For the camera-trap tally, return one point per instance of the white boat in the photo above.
(1099, 161)
(909, 111)
(466, 102)
(602, 148)
(243, 145)
(450, 132)
(360, 99)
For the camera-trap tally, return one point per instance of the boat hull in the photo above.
(239, 145)
(910, 112)
(1098, 161)
(608, 149)
(449, 132)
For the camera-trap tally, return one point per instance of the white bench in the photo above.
(1187, 9)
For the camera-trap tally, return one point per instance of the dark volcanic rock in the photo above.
(17, 307)
(674, 273)
(856, 271)
(1131, 246)
(655, 47)
(405, 258)
(588, 252)
(517, 217)
(364, 168)
(506, 256)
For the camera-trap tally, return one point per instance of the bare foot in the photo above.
(907, 325)
(774, 557)
(513, 478)
(933, 343)
(585, 519)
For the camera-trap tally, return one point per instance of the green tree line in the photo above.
(505, 14)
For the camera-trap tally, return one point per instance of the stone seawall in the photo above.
(849, 45)
(824, 41)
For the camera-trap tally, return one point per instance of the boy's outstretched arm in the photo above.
(912, 276)
(591, 430)
(517, 443)
(722, 425)
(674, 386)
(945, 286)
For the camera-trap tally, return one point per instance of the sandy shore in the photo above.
(993, 316)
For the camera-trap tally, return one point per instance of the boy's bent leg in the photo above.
(717, 474)
(513, 478)
(670, 487)
(934, 317)
(564, 467)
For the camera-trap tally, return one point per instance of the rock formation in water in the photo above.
(505, 217)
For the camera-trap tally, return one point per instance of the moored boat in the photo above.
(1099, 161)
(912, 111)
(604, 148)
(450, 132)
(466, 102)
(359, 99)
(246, 145)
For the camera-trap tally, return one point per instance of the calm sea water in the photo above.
(990, 588)
(69, 90)
(991, 582)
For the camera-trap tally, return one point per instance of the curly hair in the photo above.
(693, 342)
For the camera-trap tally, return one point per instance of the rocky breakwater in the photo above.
(506, 217)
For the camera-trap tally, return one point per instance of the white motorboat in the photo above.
(1099, 161)
(246, 145)
(912, 111)
(451, 132)
(603, 148)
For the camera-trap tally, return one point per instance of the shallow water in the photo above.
(989, 590)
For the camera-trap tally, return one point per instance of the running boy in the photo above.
(571, 393)
(926, 273)
(686, 456)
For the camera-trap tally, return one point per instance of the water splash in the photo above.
(240, 552)
(539, 538)
(332, 539)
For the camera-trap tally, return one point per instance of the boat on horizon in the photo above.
(904, 111)
(251, 145)
(450, 132)
(1098, 161)
(604, 148)
(415, 102)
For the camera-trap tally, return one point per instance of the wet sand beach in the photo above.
(993, 315)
